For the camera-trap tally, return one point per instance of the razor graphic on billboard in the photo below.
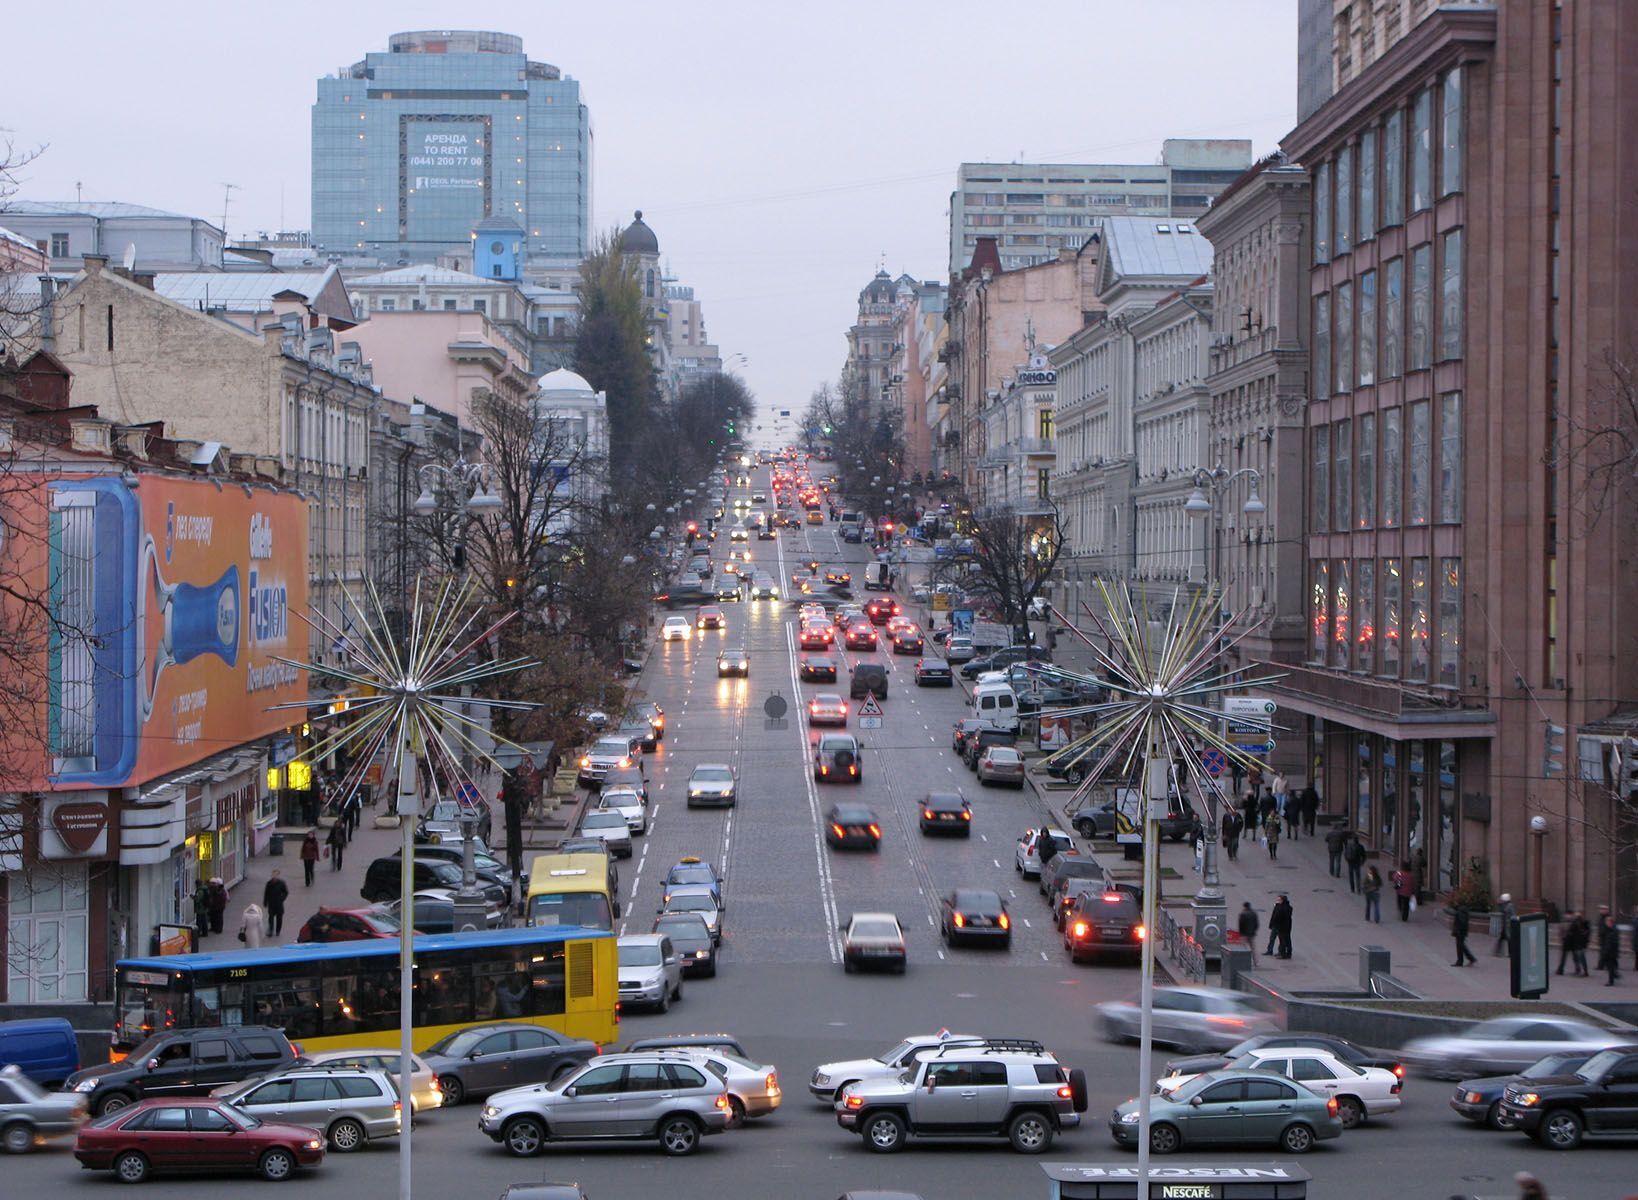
(174, 595)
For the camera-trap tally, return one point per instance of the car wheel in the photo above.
(17, 1138)
(1297, 1139)
(1164, 1139)
(345, 1136)
(131, 1167)
(1030, 1133)
(665, 1000)
(453, 1089)
(524, 1137)
(1495, 1118)
(1560, 1129)
(736, 1112)
(1113, 1031)
(679, 1136)
(884, 1133)
(113, 1102)
(1086, 829)
(1351, 1111)
(277, 1165)
(562, 1071)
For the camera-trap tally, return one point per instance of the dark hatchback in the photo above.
(853, 827)
(975, 915)
(934, 672)
(1104, 924)
(692, 937)
(947, 812)
(817, 668)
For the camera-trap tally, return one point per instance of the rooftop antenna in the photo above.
(77, 186)
(227, 195)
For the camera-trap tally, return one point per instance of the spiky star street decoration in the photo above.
(412, 700)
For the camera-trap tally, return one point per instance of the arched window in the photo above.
(649, 287)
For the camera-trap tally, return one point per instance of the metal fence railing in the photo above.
(1181, 946)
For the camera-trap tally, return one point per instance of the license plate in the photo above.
(980, 921)
(1112, 931)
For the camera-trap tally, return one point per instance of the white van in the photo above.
(996, 703)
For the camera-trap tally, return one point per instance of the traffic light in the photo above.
(1552, 760)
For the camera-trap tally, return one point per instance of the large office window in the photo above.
(1322, 479)
(1365, 615)
(1417, 620)
(1392, 479)
(1421, 151)
(1344, 180)
(1419, 461)
(1367, 184)
(1393, 169)
(1342, 468)
(1341, 632)
(1450, 295)
(1365, 471)
(1322, 213)
(1450, 622)
(1344, 338)
(1365, 355)
(1450, 458)
(1393, 319)
(1421, 308)
(1320, 599)
(1450, 151)
(1322, 346)
(1392, 597)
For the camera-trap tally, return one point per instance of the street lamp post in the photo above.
(1210, 906)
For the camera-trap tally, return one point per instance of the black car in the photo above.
(734, 661)
(183, 1062)
(692, 937)
(947, 812)
(384, 877)
(1358, 1056)
(852, 534)
(836, 758)
(975, 915)
(853, 827)
(1104, 922)
(1060, 876)
(817, 668)
(485, 866)
(868, 678)
(907, 642)
(1480, 1099)
(965, 728)
(1101, 819)
(981, 740)
(1597, 1099)
(934, 672)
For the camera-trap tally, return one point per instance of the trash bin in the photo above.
(275, 846)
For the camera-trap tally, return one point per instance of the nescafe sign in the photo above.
(80, 826)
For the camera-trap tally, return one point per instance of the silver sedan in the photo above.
(1503, 1045)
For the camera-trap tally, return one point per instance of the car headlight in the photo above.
(315, 1144)
(1130, 1118)
(702, 954)
(1472, 1097)
(822, 1079)
(86, 1085)
(1528, 1099)
(490, 1112)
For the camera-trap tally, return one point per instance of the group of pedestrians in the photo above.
(1279, 927)
(210, 899)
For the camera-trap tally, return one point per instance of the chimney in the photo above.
(91, 435)
(94, 263)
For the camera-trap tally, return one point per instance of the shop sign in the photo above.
(73, 827)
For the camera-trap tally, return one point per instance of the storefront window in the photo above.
(46, 943)
(1417, 626)
(1365, 615)
(1449, 849)
(1341, 632)
(1450, 622)
(1388, 797)
(1392, 483)
(1321, 602)
(1392, 586)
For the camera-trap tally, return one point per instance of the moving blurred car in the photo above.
(1001, 764)
(1257, 1108)
(1341, 1047)
(1504, 1044)
(873, 940)
(1190, 1018)
(481, 1059)
(853, 827)
(712, 783)
(1480, 1099)
(827, 708)
(30, 1115)
(186, 1133)
(1360, 1092)
(946, 812)
(974, 915)
(817, 668)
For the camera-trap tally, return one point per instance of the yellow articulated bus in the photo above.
(570, 889)
(340, 995)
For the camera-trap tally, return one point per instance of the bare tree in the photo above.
(20, 300)
(1007, 558)
(1602, 445)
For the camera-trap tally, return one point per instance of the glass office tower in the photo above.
(414, 147)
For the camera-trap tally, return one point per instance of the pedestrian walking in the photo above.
(1335, 842)
(1248, 816)
(218, 903)
(1281, 788)
(1249, 924)
(1310, 809)
(309, 856)
(250, 925)
(1572, 943)
(1266, 806)
(1372, 887)
(1279, 926)
(273, 898)
(1354, 855)
(1293, 817)
(1271, 833)
(1507, 914)
(336, 843)
(1609, 945)
(1404, 889)
(201, 909)
(1231, 834)
(1459, 921)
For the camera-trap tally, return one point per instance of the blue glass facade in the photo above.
(413, 147)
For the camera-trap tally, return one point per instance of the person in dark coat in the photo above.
(1279, 927)
(201, 908)
(1572, 943)
(1271, 833)
(1310, 809)
(1047, 849)
(1231, 834)
(1354, 855)
(1249, 924)
(1459, 923)
(218, 903)
(1248, 816)
(1335, 843)
(273, 898)
(336, 843)
(1609, 945)
(1266, 806)
(309, 856)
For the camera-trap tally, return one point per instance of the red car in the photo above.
(880, 609)
(817, 637)
(348, 925)
(194, 1133)
(861, 637)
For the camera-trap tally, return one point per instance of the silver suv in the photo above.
(615, 1096)
(350, 1105)
(1001, 1087)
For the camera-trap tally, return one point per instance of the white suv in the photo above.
(614, 1097)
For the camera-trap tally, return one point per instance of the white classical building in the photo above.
(1015, 471)
(578, 417)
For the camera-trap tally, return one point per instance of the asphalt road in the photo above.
(781, 988)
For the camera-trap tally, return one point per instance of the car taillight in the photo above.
(1397, 1085)
(1065, 1092)
(1142, 933)
(398, 1108)
(1232, 1022)
(960, 920)
(824, 769)
(296, 1046)
(853, 770)
(838, 830)
(875, 830)
(772, 1081)
(1399, 1069)
(1006, 922)
(722, 1101)
(1331, 1106)
(854, 1101)
(1081, 929)
(928, 813)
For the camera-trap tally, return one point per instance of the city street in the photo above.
(782, 991)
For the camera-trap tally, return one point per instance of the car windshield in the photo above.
(603, 820)
(713, 775)
(642, 955)
(619, 747)
(589, 910)
(875, 929)
(692, 903)
(685, 931)
(384, 920)
(700, 874)
(1552, 1065)
(1599, 1064)
(625, 799)
(25, 1087)
(897, 1052)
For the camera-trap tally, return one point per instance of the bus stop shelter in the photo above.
(1178, 1181)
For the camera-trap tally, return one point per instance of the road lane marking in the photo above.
(827, 890)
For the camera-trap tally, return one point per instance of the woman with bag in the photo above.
(1271, 833)
(250, 926)
(309, 855)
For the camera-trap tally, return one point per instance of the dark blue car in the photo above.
(1480, 1099)
(45, 1049)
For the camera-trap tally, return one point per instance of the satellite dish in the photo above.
(130, 255)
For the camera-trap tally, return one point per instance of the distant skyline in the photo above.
(781, 157)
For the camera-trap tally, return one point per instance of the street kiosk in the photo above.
(1178, 1181)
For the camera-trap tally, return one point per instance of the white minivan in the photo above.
(996, 703)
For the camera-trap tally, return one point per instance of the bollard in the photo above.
(1373, 960)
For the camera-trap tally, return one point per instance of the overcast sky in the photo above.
(781, 151)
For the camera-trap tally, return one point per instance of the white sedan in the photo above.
(675, 629)
(1360, 1091)
(628, 802)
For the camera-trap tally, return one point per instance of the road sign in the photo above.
(1248, 706)
(774, 707)
(1255, 747)
(870, 722)
(1214, 761)
(468, 794)
(870, 708)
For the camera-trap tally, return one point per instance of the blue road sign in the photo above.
(1256, 747)
(468, 794)
(1214, 761)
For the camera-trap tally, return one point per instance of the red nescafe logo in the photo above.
(80, 824)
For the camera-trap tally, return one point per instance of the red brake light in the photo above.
(852, 769)
(1111, 897)
(1142, 933)
(875, 830)
(960, 920)
(1081, 929)
(722, 1101)
(854, 1102)
(928, 813)
(1399, 1069)
(1006, 922)
(965, 815)
(1064, 1093)
(838, 830)
(1331, 1106)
